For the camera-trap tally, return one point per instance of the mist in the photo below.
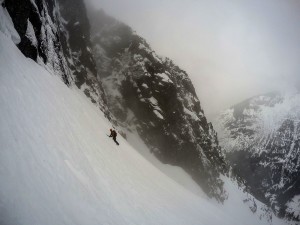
(232, 50)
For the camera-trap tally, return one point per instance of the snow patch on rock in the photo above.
(293, 206)
(164, 77)
(30, 34)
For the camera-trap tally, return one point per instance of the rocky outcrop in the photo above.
(56, 35)
(37, 24)
(155, 97)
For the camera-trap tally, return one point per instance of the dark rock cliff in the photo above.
(56, 35)
(157, 99)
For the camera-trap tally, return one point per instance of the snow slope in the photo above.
(57, 166)
(176, 173)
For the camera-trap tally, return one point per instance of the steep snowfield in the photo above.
(57, 166)
(174, 172)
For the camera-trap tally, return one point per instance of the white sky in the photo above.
(232, 49)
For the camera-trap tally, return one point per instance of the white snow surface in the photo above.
(57, 165)
(293, 206)
(192, 114)
(30, 34)
(158, 114)
(34, 4)
(174, 172)
(164, 77)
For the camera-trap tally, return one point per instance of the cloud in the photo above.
(231, 49)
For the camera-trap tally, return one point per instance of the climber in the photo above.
(113, 134)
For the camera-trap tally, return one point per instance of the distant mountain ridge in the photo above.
(262, 139)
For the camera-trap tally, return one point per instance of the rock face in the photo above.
(262, 139)
(56, 35)
(157, 99)
(37, 24)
